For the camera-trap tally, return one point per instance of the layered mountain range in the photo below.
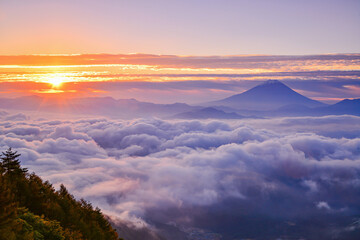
(271, 98)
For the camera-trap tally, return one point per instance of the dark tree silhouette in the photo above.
(10, 162)
(7, 205)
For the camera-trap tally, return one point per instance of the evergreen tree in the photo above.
(8, 207)
(10, 162)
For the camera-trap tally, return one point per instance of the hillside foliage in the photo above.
(31, 209)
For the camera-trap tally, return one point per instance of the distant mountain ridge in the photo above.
(269, 95)
(207, 113)
(346, 106)
(106, 106)
(269, 99)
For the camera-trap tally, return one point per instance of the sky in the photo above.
(171, 78)
(178, 51)
(202, 27)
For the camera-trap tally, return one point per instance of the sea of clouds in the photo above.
(286, 176)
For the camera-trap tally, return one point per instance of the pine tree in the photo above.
(7, 205)
(10, 162)
(8, 210)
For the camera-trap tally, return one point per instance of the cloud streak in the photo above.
(235, 61)
(171, 78)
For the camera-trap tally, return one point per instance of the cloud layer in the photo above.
(232, 61)
(171, 78)
(291, 176)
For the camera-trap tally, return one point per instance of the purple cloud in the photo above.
(155, 175)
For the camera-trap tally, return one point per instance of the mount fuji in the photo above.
(269, 95)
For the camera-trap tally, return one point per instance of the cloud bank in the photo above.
(171, 78)
(290, 177)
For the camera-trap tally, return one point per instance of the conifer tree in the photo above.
(10, 162)
(8, 209)
(7, 205)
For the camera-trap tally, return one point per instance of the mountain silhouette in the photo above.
(346, 106)
(104, 106)
(269, 95)
(207, 113)
(269, 99)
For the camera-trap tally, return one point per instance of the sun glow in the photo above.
(56, 79)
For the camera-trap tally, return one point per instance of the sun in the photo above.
(55, 79)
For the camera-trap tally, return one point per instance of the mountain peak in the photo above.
(271, 82)
(349, 102)
(268, 95)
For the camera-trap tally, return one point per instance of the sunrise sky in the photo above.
(193, 51)
(202, 27)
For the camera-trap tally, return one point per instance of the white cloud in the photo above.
(180, 168)
(323, 205)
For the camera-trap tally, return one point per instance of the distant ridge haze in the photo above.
(269, 99)
(208, 113)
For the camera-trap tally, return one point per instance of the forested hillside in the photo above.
(31, 209)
